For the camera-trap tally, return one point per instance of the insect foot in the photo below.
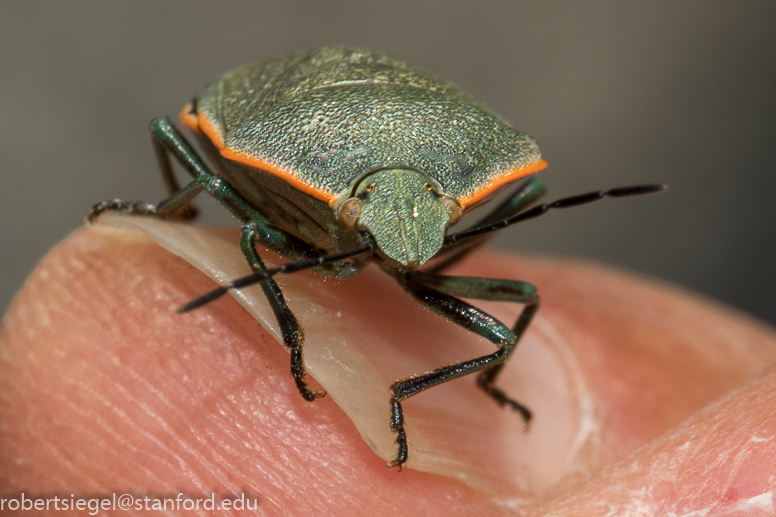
(117, 205)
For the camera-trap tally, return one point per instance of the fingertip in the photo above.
(140, 396)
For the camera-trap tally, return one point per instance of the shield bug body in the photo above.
(339, 157)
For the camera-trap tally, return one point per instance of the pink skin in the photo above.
(103, 389)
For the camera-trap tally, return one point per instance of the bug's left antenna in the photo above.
(566, 202)
(261, 276)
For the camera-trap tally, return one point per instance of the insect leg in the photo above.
(493, 290)
(293, 336)
(166, 139)
(161, 130)
(531, 190)
(258, 228)
(440, 294)
(290, 330)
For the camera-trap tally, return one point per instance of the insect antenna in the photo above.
(566, 202)
(261, 276)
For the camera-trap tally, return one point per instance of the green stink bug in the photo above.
(339, 157)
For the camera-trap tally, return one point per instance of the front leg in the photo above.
(440, 294)
(290, 330)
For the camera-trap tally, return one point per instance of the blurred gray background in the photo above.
(615, 92)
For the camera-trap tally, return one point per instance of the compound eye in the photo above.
(349, 212)
(454, 208)
(428, 186)
(370, 187)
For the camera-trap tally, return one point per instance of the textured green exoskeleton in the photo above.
(339, 157)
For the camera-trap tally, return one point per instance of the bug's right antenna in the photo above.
(261, 276)
(566, 202)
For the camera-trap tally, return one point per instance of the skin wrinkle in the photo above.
(220, 458)
(36, 432)
(80, 383)
(131, 401)
(225, 459)
(91, 437)
(226, 428)
(115, 410)
(60, 480)
(166, 428)
(224, 445)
